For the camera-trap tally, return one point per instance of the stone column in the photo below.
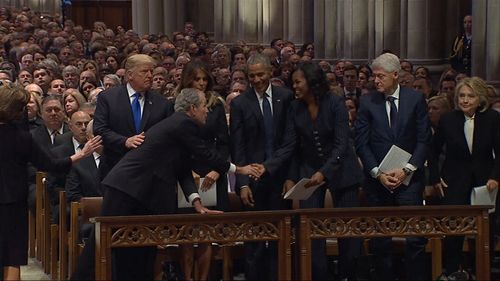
(225, 20)
(272, 20)
(140, 17)
(155, 21)
(479, 31)
(387, 25)
(173, 16)
(294, 19)
(493, 44)
(247, 21)
(320, 30)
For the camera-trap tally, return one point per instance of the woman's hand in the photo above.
(287, 186)
(316, 179)
(210, 179)
(492, 185)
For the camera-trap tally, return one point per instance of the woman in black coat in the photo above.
(317, 139)
(216, 136)
(17, 148)
(471, 136)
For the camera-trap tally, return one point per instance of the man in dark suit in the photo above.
(124, 113)
(84, 178)
(393, 116)
(350, 82)
(46, 136)
(145, 181)
(257, 127)
(65, 146)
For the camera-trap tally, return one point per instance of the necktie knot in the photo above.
(391, 99)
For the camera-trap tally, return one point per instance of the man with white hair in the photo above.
(393, 115)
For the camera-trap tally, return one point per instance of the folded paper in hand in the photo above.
(482, 196)
(300, 192)
(396, 158)
(208, 198)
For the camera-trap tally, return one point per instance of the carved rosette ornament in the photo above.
(193, 233)
(392, 226)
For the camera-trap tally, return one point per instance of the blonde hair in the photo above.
(80, 99)
(138, 59)
(479, 87)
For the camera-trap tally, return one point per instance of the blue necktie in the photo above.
(394, 112)
(136, 111)
(268, 125)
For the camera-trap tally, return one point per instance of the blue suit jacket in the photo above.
(374, 137)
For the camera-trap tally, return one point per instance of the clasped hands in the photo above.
(254, 171)
(392, 179)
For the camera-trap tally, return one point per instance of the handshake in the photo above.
(254, 171)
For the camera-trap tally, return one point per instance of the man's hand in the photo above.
(135, 141)
(247, 196)
(252, 171)
(287, 186)
(316, 179)
(389, 181)
(203, 210)
(492, 185)
(210, 179)
(260, 168)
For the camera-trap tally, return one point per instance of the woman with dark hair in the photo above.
(422, 72)
(17, 148)
(318, 142)
(307, 50)
(215, 133)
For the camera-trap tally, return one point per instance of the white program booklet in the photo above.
(300, 192)
(396, 158)
(482, 196)
(208, 198)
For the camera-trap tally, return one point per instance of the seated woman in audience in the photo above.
(437, 106)
(33, 108)
(422, 72)
(471, 136)
(72, 100)
(17, 148)
(216, 136)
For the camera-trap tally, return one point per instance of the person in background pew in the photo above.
(144, 182)
(17, 148)
(471, 136)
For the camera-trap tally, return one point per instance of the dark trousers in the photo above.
(415, 266)
(349, 248)
(127, 263)
(261, 258)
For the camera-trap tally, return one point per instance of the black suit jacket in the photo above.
(336, 160)
(150, 173)
(248, 134)
(461, 169)
(17, 148)
(83, 180)
(63, 147)
(42, 137)
(113, 119)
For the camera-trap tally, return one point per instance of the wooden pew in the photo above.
(63, 236)
(87, 208)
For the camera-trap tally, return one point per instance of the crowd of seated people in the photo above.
(66, 68)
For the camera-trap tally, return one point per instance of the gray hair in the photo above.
(186, 98)
(70, 69)
(259, 58)
(388, 62)
(90, 128)
(115, 78)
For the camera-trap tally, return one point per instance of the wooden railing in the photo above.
(140, 231)
(426, 221)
